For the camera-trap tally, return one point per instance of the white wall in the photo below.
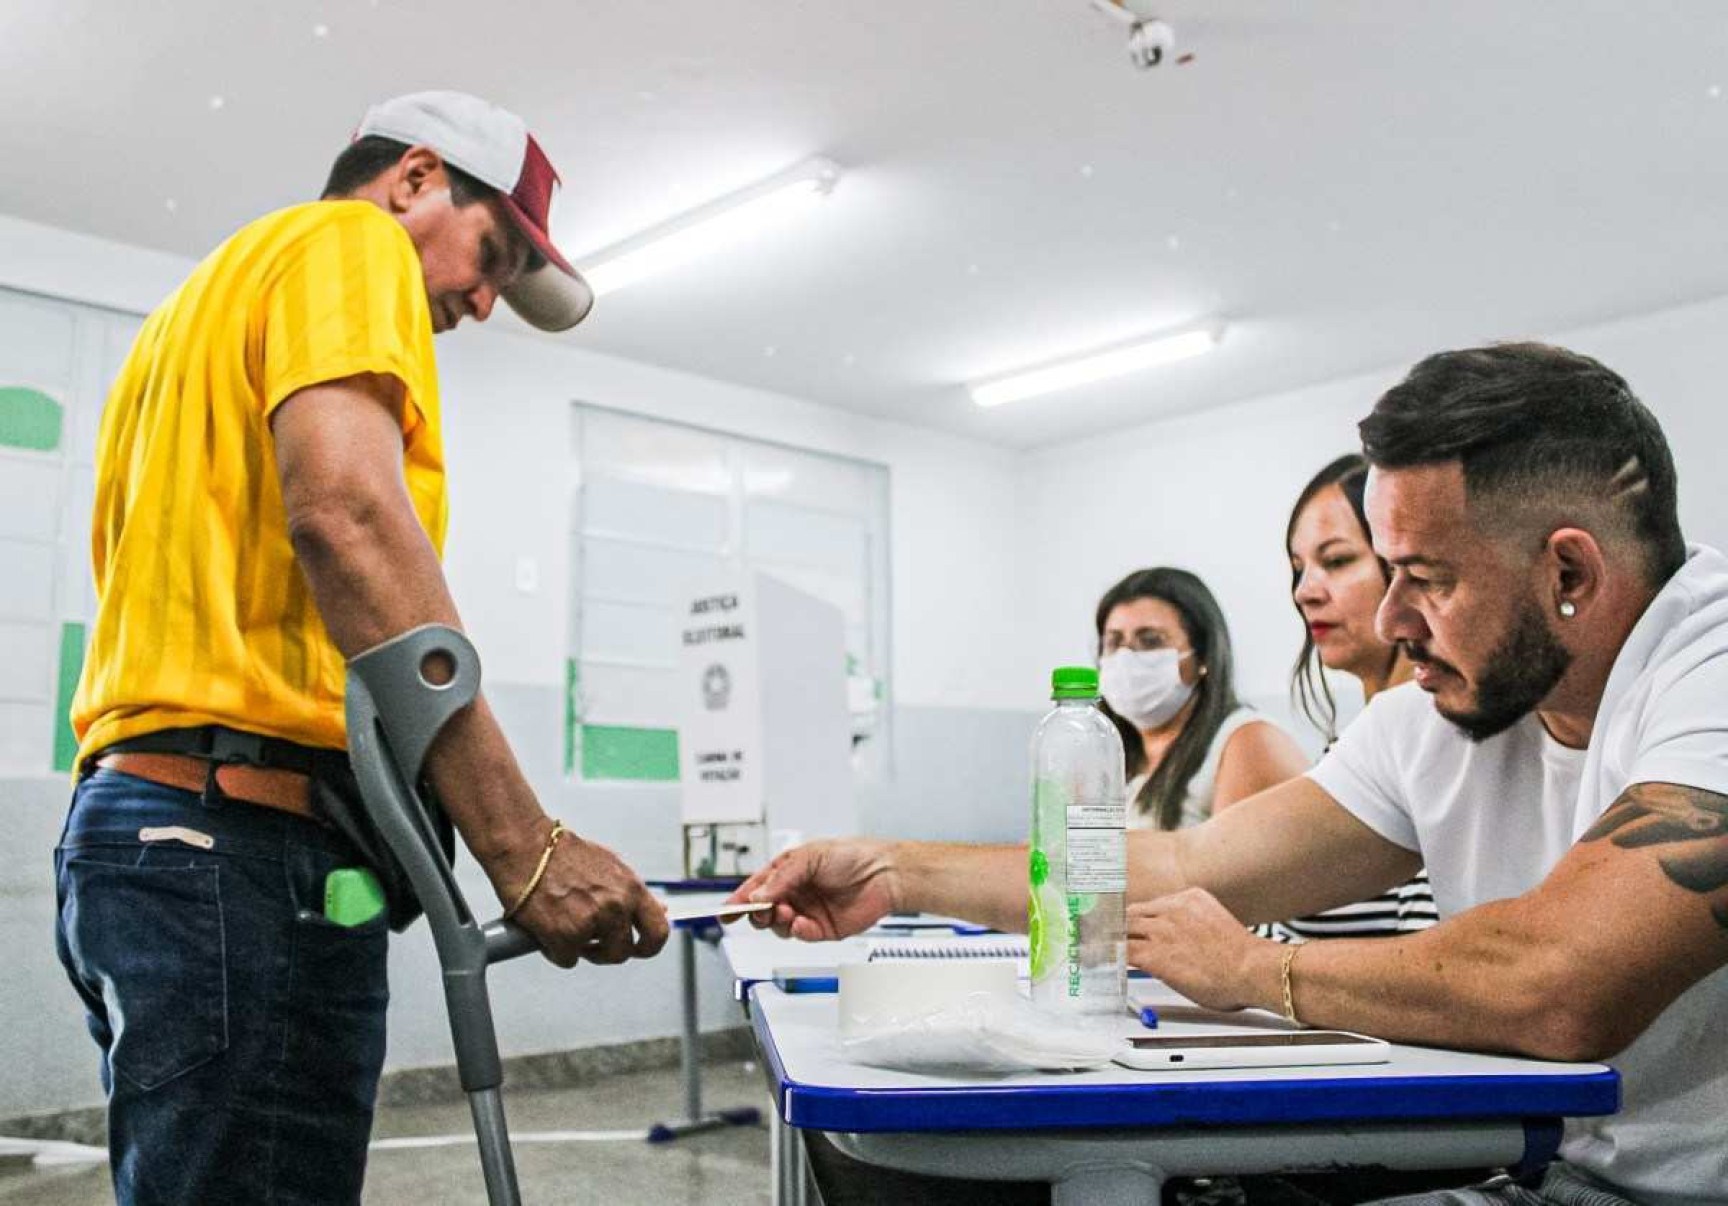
(76, 267)
(1677, 362)
(1211, 492)
(508, 437)
(1207, 492)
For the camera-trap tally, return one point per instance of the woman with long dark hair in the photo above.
(1336, 584)
(1166, 672)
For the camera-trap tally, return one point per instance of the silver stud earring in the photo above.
(1568, 609)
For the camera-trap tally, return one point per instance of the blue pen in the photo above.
(1149, 1017)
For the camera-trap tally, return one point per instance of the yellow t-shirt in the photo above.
(203, 615)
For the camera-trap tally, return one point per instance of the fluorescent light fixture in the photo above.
(1097, 366)
(709, 227)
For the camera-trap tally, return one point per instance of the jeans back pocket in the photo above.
(147, 939)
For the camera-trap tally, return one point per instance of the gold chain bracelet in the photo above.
(558, 831)
(1284, 979)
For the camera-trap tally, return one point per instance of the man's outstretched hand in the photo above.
(824, 890)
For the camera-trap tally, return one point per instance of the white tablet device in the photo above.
(1261, 1049)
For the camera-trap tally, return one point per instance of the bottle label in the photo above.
(1097, 848)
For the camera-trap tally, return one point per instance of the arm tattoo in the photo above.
(1689, 818)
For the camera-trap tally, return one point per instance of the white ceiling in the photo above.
(1351, 183)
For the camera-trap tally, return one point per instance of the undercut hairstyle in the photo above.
(1309, 690)
(1543, 434)
(365, 159)
(1214, 694)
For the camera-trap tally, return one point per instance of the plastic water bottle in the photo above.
(1079, 857)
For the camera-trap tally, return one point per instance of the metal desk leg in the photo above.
(690, 1041)
(777, 1161)
(788, 1167)
(807, 1191)
(690, 1059)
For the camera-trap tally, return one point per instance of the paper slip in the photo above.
(720, 912)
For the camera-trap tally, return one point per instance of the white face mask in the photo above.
(1144, 687)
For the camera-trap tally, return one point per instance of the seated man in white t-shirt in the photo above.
(1564, 777)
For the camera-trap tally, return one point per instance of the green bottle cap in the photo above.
(1074, 682)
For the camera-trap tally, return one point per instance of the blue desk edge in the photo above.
(1534, 1100)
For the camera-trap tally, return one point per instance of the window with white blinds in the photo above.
(660, 506)
(56, 362)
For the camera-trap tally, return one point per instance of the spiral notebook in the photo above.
(1005, 946)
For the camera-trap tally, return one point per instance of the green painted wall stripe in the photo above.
(610, 752)
(29, 418)
(71, 667)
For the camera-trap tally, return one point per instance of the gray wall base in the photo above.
(440, 1085)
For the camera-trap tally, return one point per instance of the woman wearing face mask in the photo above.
(1165, 671)
(1336, 583)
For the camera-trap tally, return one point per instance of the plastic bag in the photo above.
(973, 1032)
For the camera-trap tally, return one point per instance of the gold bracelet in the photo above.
(1284, 979)
(539, 872)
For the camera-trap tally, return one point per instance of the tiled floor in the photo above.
(718, 1168)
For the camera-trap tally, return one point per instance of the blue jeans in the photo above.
(241, 1033)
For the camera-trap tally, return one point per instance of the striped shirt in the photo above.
(1403, 910)
(203, 615)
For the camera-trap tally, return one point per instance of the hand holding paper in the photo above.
(714, 909)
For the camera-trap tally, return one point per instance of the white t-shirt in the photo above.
(1491, 819)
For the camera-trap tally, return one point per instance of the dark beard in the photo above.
(1519, 675)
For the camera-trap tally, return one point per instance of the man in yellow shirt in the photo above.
(270, 500)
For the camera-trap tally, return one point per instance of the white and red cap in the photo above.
(493, 145)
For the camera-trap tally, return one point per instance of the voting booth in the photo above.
(764, 731)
